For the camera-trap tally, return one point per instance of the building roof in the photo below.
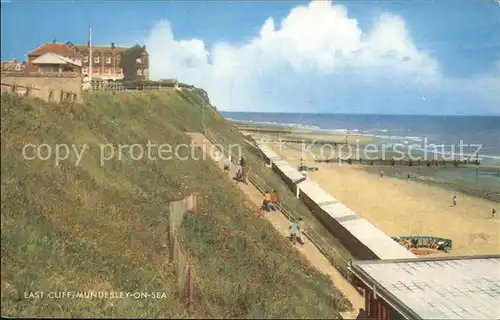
(317, 194)
(436, 288)
(100, 49)
(383, 246)
(290, 172)
(62, 49)
(70, 49)
(52, 58)
(339, 211)
(269, 153)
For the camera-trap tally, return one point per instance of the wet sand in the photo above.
(309, 137)
(409, 208)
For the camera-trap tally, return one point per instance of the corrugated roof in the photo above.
(438, 288)
(376, 240)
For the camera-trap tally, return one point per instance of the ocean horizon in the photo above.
(448, 132)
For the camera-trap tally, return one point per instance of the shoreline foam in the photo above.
(418, 143)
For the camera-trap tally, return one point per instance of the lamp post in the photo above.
(90, 55)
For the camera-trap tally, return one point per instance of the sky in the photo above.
(358, 56)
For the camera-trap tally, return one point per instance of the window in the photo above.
(96, 59)
(117, 58)
(138, 60)
(85, 70)
(121, 71)
(108, 59)
(108, 70)
(18, 67)
(139, 72)
(85, 59)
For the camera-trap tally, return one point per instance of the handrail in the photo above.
(335, 259)
(18, 85)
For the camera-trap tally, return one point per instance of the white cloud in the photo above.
(317, 42)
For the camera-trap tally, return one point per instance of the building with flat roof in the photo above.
(432, 288)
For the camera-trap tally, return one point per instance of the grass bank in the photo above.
(104, 227)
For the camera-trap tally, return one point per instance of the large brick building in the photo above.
(106, 60)
(107, 64)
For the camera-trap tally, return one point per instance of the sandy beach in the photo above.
(409, 208)
(309, 137)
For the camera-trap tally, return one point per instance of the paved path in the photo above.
(281, 223)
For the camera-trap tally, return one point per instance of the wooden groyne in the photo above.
(264, 129)
(402, 162)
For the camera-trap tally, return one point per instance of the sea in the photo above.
(478, 135)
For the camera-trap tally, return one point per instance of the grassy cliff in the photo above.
(103, 227)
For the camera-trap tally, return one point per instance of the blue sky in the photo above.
(423, 57)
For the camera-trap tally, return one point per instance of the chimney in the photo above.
(112, 45)
(54, 41)
(144, 47)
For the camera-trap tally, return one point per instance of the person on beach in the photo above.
(493, 213)
(454, 200)
(381, 174)
(408, 177)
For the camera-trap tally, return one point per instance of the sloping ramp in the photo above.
(281, 223)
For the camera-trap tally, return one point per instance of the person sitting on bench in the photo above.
(266, 202)
(440, 245)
